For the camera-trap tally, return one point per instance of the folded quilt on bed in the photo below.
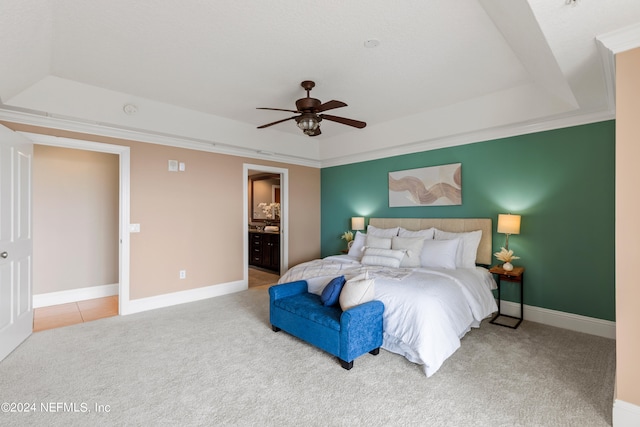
(333, 267)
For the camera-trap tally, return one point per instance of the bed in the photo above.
(429, 273)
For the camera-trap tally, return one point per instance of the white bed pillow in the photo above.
(377, 242)
(426, 233)
(358, 244)
(382, 232)
(412, 248)
(439, 253)
(356, 291)
(468, 249)
(382, 257)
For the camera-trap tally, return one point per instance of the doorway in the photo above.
(123, 153)
(75, 201)
(259, 223)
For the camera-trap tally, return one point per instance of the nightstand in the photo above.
(516, 275)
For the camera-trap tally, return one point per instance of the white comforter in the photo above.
(427, 311)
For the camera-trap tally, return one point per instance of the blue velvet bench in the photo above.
(346, 335)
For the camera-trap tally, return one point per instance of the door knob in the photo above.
(4, 254)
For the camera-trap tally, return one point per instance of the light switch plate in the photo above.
(173, 166)
(182, 167)
(134, 228)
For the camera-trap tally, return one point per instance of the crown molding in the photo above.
(622, 39)
(609, 45)
(41, 119)
(35, 118)
(473, 137)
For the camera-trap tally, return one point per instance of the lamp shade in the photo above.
(508, 224)
(357, 223)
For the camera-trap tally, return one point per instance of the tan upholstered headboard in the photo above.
(455, 225)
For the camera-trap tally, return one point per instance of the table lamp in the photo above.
(357, 223)
(508, 224)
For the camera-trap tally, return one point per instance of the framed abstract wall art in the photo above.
(431, 186)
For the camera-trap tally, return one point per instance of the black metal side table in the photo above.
(516, 275)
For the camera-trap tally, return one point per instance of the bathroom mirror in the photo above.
(265, 188)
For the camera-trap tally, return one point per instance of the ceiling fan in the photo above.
(309, 120)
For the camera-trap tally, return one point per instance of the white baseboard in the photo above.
(625, 414)
(73, 295)
(560, 319)
(175, 298)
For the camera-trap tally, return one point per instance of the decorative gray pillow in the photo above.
(412, 248)
(377, 242)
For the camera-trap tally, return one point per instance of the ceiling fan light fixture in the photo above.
(308, 124)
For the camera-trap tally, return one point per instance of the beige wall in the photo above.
(193, 220)
(75, 219)
(627, 226)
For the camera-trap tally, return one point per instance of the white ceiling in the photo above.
(445, 72)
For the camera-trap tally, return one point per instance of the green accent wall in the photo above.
(560, 181)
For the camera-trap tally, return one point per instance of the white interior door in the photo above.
(16, 249)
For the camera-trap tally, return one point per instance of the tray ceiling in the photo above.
(443, 72)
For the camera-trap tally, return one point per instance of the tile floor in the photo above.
(57, 316)
(259, 277)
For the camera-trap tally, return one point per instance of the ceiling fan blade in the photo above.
(275, 123)
(349, 122)
(278, 109)
(330, 105)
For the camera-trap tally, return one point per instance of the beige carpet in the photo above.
(217, 362)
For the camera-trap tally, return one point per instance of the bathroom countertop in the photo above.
(264, 232)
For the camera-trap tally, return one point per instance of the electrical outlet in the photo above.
(183, 274)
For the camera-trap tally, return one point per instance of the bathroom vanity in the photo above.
(264, 250)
